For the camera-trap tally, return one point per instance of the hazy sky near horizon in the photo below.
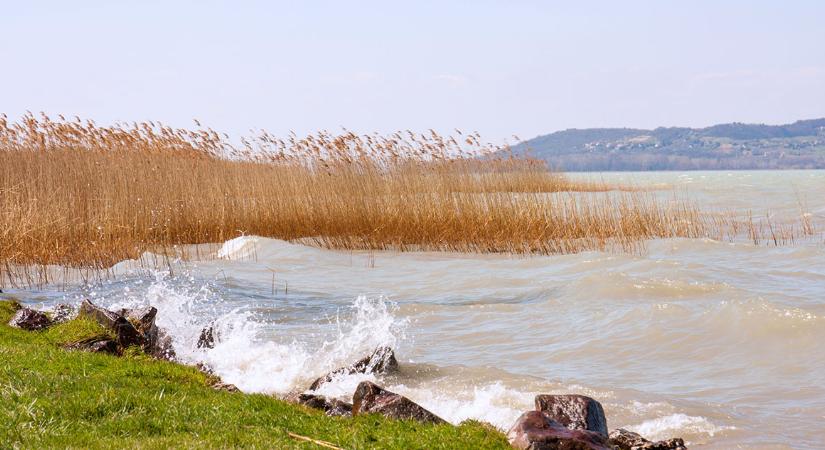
(498, 67)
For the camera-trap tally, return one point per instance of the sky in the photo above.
(501, 68)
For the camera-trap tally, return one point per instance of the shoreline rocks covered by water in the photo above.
(558, 421)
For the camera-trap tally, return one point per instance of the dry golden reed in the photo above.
(73, 193)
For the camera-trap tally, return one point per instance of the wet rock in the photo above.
(95, 345)
(333, 407)
(126, 333)
(536, 430)
(162, 349)
(371, 398)
(382, 362)
(205, 368)
(207, 338)
(30, 319)
(577, 412)
(622, 439)
(63, 313)
(143, 319)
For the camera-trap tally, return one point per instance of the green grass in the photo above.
(50, 397)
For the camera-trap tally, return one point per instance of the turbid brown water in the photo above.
(717, 342)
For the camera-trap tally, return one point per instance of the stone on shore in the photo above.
(126, 333)
(95, 345)
(332, 406)
(63, 313)
(371, 398)
(536, 430)
(30, 320)
(577, 412)
(143, 319)
(382, 362)
(623, 439)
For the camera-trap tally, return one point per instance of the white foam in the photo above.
(241, 247)
(675, 425)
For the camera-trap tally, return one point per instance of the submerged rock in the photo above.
(371, 398)
(622, 439)
(30, 319)
(536, 430)
(333, 407)
(382, 362)
(95, 345)
(577, 412)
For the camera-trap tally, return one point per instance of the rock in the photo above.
(623, 439)
(577, 412)
(333, 407)
(30, 320)
(95, 345)
(163, 347)
(104, 317)
(126, 333)
(207, 338)
(382, 361)
(536, 430)
(63, 313)
(371, 398)
(221, 386)
(205, 368)
(143, 319)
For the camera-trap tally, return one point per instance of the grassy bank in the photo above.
(50, 397)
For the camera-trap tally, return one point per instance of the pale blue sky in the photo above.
(501, 68)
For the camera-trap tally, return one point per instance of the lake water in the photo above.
(717, 342)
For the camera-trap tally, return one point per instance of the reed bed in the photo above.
(76, 194)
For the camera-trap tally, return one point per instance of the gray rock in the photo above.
(126, 333)
(333, 407)
(577, 412)
(30, 320)
(371, 398)
(382, 362)
(623, 439)
(536, 430)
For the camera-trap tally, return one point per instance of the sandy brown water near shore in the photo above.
(718, 342)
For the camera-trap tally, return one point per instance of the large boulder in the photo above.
(30, 319)
(577, 412)
(382, 362)
(536, 430)
(371, 398)
(333, 407)
(622, 439)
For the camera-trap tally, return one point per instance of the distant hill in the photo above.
(730, 146)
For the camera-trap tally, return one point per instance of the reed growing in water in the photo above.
(76, 194)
